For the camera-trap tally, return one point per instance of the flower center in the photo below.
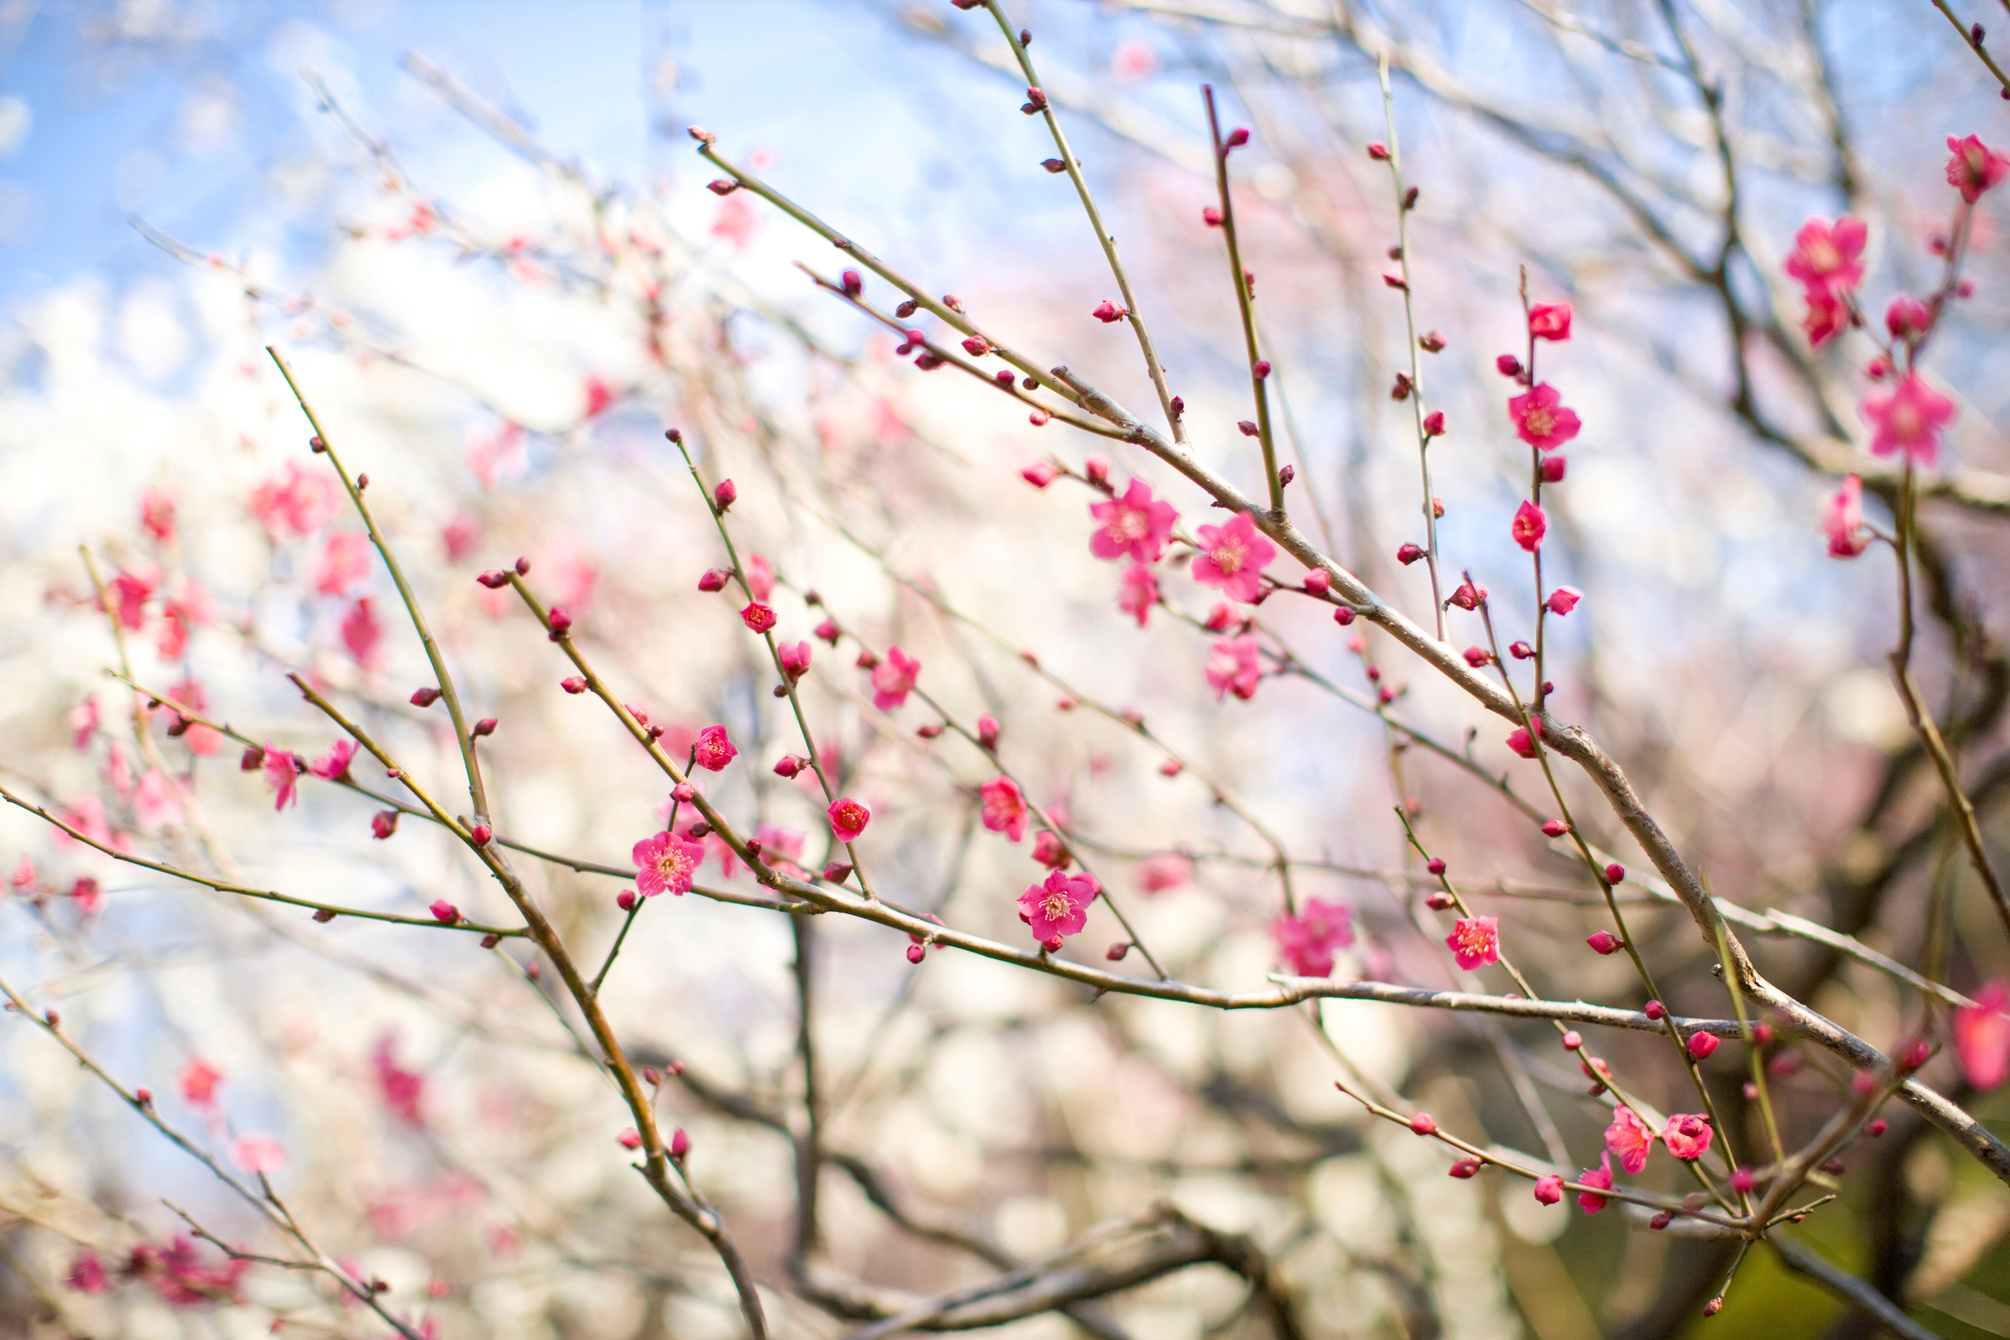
(1823, 257)
(1055, 906)
(1905, 420)
(1227, 555)
(1131, 524)
(1538, 421)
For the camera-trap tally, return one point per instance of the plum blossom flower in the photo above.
(1843, 520)
(760, 577)
(1057, 907)
(258, 1153)
(361, 633)
(666, 863)
(1549, 321)
(1234, 667)
(1541, 418)
(1824, 319)
(1168, 870)
(154, 801)
(333, 762)
(180, 613)
(1909, 418)
(1828, 258)
(713, 751)
(198, 1082)
(1907, 317)
(1475, 941)
(781, 848)
(1004, 807)
(1973, 167)
(402, 1090)
(1687, 1135)
(87, 1274)
(344, 563)
(848, 818)
(1629, 1138)
(300, 502)
(759, 618)
(179, 1277)
(893, 679)
(795, 659)
(1306, 941)
(282, 774)
(460, 536)
(1982, 1037)
(1519, 741)
(1232, 558)
(1139, 592)
(157, 513)
(86, 814)
(1563, 599)
(1529, 526)
(1601, 1176)
(1050, 851)
(1133, 525)
(1549, 1190)
(83, 722)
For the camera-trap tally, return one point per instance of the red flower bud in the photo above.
(725, 494)
(915, 953)
(1431, 341)
(1655, 1010)
(1408, 554)
(851, 283)
(1434, 426)
(1115, 953)
(1508, 365)
(987, 732)
(1555, 828)
(722, 186)
(837, 872)
(1465, 1167)
(788, 766)
(1424, 1124)
(1439, 901)
(1605, 942)
(1615, 873)
(625, 900)
(1236, 138)
(1876, 1128)
(559, 622)
(1260, 369)
(977, 346)
(425, 697)
(1702, 1044)
(1378, 152)
(481, 834)
(486, 726)
(1436, 865)
(1521, 651)
(494, 580)
(1054, 165)
(680, 1143)
(1211, 216)
(1552, 469)
(573, 684)
(1246, 427)
(383, 823)
(1107, 312)
(444, 912)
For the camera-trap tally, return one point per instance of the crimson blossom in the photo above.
(1057, 907)
(1307, 941)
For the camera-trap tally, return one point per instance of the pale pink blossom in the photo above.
(1132, 526)
(848, 818)
(491, 450)
(1132, 61)
(666, 863)
(893, 679)
(1601, 1176)
(190, 609)
(780, 848)
(1168, 870)
(1139, 592)
(344, 563)
(1842, 519)
(1233, 667)
(1909, 418)
(23, 876)
(131, 590)
(760, 577)
(1629, 1138)
(83, 722)
(298, 501)
(258, 1153)
(87, 1274)
(1982, 1037)
(1828, 258)
(283, 775)
(1529, 526)
(1232, 558)
(1824, 319)
(735, 221)
(198, 1082)
(1057, 907)
(157, 514)
(460, 536)
(1475, 941)
(1541, 418)
(1687, 1135)
(333, 762)
(155, 803)
(1004, 807)
(713, 751)
(362, 633)
(1549, 321)
(178, 1275)
(1306, 941)
(1973, 167)
(402, 1090)
(86, 814)
(599, 395)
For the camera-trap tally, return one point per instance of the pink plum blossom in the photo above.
(402, 1090)
(1843, 520)
(1306, 941)
(713, 751)
(1233, 666)
(1973, 167)
(131, 590)
(282, 774)
(1824, 319)
(299, 502)
(1549, 1190)
(795, 659)
(1907, 317)
(781, 848)
(1601, 1176)
(1529, 526)
(1541, 419)
(258, 1153)
(1563, 599)
(1475, 941)
(333, 762)
(198, 1082)
(1629, 1138)
(83, 722)
(760, 577)
(344, 563)
(157, 514)
(1549, 321)
(848, 818)
(893, 679)
(1687, 1135)
(154, 802)
(759, 618)
(1167, 870)
(666, 863)
(87, 1274)
(1132, 526)
(1004, 807)
(460, 536)
(361, 633)
(1139, 592)
(1057, 907)
(1828, 258)
(1232, 558)
(1909, 418)
(1982, 1037)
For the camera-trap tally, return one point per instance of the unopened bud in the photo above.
(1408, 554)
(1240, 136)
(1552, 469)
(1508, 365)
(1434, 426)
(1604, 942)
(495, 579)
(1431, 341)
(1053, 165)
(1378, 152)
(425, 697)
(1424, 1124)
(1436, 865)
(559, 622)
(1115, 953)
(1615, 873)
(486, 726)
(987, 732)
(1572, 1040)
(725, 495)
(1702, 1044)
(851, 283)
(573, 684)
(837, 872)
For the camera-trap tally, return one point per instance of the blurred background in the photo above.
(479, 233)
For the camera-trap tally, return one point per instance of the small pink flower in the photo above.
(1475, 941)
(1907, 317)
(1908, 419)
(1824, 319)
(781, 848)
(444, 912)
(258, 1153)
(1843, 520)
(402, 1090)
(893, 679)
(1232, 558)
(1004, 807)
(83, 722)
(1039, 474)
(1139, 592)
(795, 658)
(1973, 167)
(1306, 942)
(713, 750)
(1563, 599)
(760, 577)
(1050, 851)
(344, 563)
(1541, 419)
(154, 802)
(1234, 667)
(1549, 321)
(1529, 526)
(334, 761)
(1057, 907)
(1629, 1138)
(283, 775)
(157, 513)
(1982, 1037)
(198, 1082)
(1601, 1176)
(1133, 525)
(460, 536)
(301, 502)
(361, 633)
(132, 590)
(666, 863)
(1549, 1190)
(87, 1274)
(848, 818)
(1687, 1135)
(1167, 871)
(758, 617)
(1828, 258)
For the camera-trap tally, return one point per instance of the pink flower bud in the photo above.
(1434, 423)
(1436, 865)
(837, 872)
(1862, 1083)
(987, 732)
(481, 834)
(977, 346)
(1247, 427)
(1260, 369)
(1343, 616)
(714, 579)
(651, 1075)
(788, 766)
(1555, 828)
(1518, 740)
(1875, 1128)
(444, 912)
(425, 697)
(1563, 599)
(1615, 873)
(1439, 901)
(725, 495)
(1702, 1044)
(629, 1139)
(1408, 554)
(1107, 312)
(1431, 341)
(1508, 365)
(1378, 152)
(573, 684)
(1479, 658)
(1211, 216)
(1742, 1180)
(1552, 469)
(486, 726)
(680, 1143)
(1549, 1190)
(1762, 1034)
(915, 953)
(625, 900)
(1318, 581)
(1911, 1055)
(1661, 1220)
(1604, 942)
(383, 823)
(1236, 138)
(828, 631)
(1424, 1124)
(494, 579)
(1468, 597)
(1572, 1040)
(1465, 1167)
(523, 567)
(758, 617)
(559, 622)
(1714, 1306)
(1655, 1010)
(1521, 651)
(1036, 102)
